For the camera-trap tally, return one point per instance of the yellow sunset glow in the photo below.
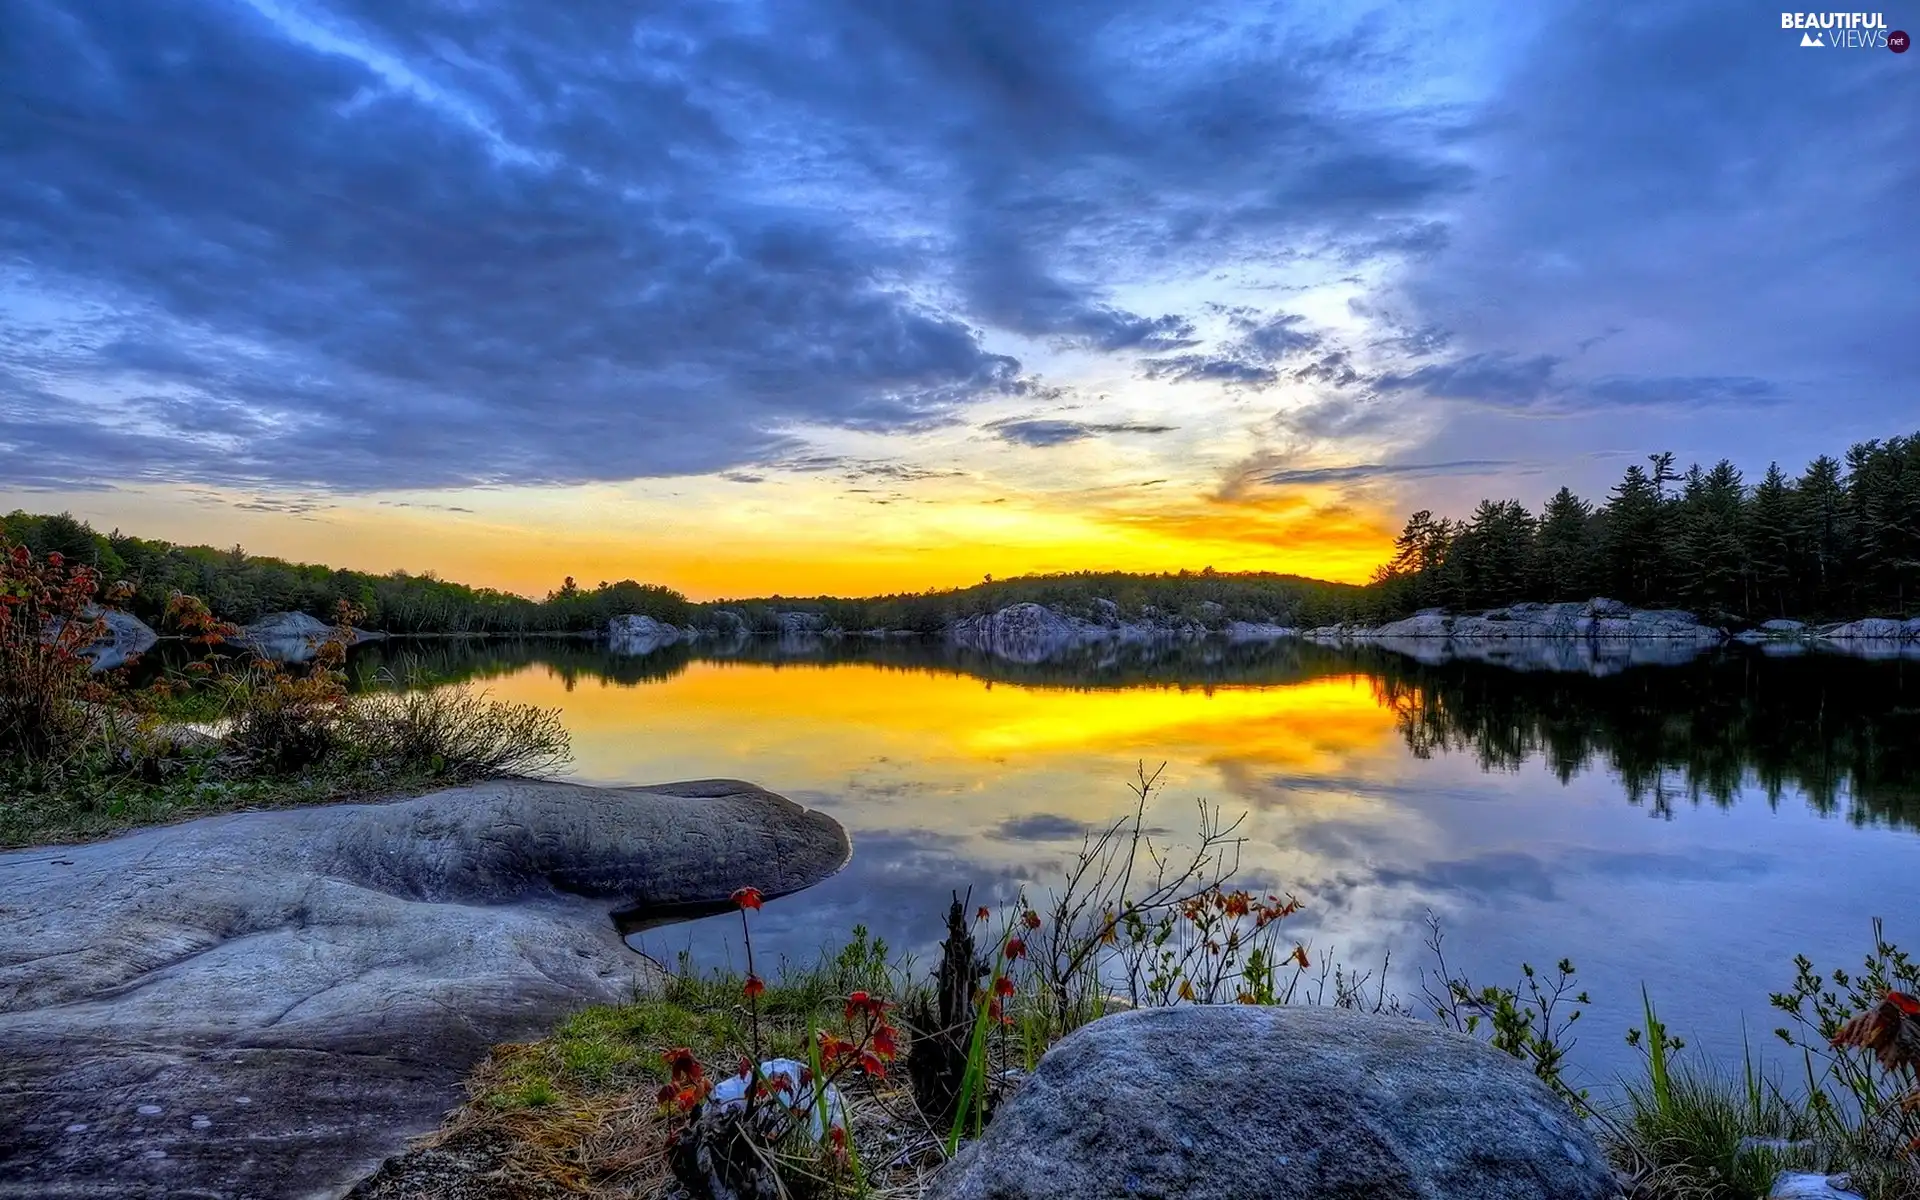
(711, 539)
(996, 750)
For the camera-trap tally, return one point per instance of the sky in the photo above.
(855, 296)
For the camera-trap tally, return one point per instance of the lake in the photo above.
(1688, 827)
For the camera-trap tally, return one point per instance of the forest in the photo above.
(1841, 540)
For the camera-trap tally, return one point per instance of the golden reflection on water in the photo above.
(959, 755)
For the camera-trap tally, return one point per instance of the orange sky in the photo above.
(711, 539)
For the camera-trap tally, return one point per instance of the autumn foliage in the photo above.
(48, 620)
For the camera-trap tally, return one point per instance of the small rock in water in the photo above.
(156, 1154)
(202, 1122)
(1796, 1185)
(77, 1127)
(149, 1110)
(243, 1099)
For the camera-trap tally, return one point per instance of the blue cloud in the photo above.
(418, 245)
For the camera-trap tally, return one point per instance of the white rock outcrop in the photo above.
(634, 634)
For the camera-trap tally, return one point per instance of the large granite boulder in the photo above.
(1027, 633)
(635, 634)
(266, 1004)
(1295, 1103)
(793, 624)
(291, 636)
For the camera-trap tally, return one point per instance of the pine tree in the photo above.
(1631, 541)
(1772, 521)
(1564, 549)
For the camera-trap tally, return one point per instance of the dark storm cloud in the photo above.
(1042, 432)
(419, 245)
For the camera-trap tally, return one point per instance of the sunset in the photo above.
(958, 600)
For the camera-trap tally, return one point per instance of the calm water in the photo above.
(1689, 827)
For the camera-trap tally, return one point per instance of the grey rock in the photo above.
(1868, 629)
(291, 636)
(790, 623)
(1797, 1185)
(634, 634)
(1106, 611)
(1300, 1103)
(1027, 633)
(315, 982)
(1258, 631)
(1783, 627)
(1427, 623)
(126, 636)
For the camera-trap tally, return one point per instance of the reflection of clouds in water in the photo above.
(898, 885)
(943, 783)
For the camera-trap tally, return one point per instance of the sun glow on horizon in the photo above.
(712, 539)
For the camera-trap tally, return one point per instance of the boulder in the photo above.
(1258, 631)
(1427, 623)
(1871, 629)
(268, 1003)
(291, 636)
(1106, 611)
(633, 634)
(1800, 1185)
(1300, 1103)
(1783, 628)
(1027, 633)
(790, 624)
(126, 635)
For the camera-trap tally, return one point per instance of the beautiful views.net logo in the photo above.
(1844, 30)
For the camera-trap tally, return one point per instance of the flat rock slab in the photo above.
(267, 1004)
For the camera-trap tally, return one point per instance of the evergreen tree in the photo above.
(1563, 550)
(1771, 528)
(1634, 561)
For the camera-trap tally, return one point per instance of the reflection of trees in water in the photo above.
(1198, 665)
(1843, 732)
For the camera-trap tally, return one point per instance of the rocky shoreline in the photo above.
(270, 1003)
(1581, 635)
(1571, 635)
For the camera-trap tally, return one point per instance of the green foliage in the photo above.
(1840, 541)
(1533, 1020)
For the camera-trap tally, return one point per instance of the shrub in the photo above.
(47, 622)
(456, 733)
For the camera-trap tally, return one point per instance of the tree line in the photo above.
(242, 587)
(1841, 540)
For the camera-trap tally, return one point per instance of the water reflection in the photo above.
(1689, 826)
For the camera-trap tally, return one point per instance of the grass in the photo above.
(139, 769)
(576, 1113)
